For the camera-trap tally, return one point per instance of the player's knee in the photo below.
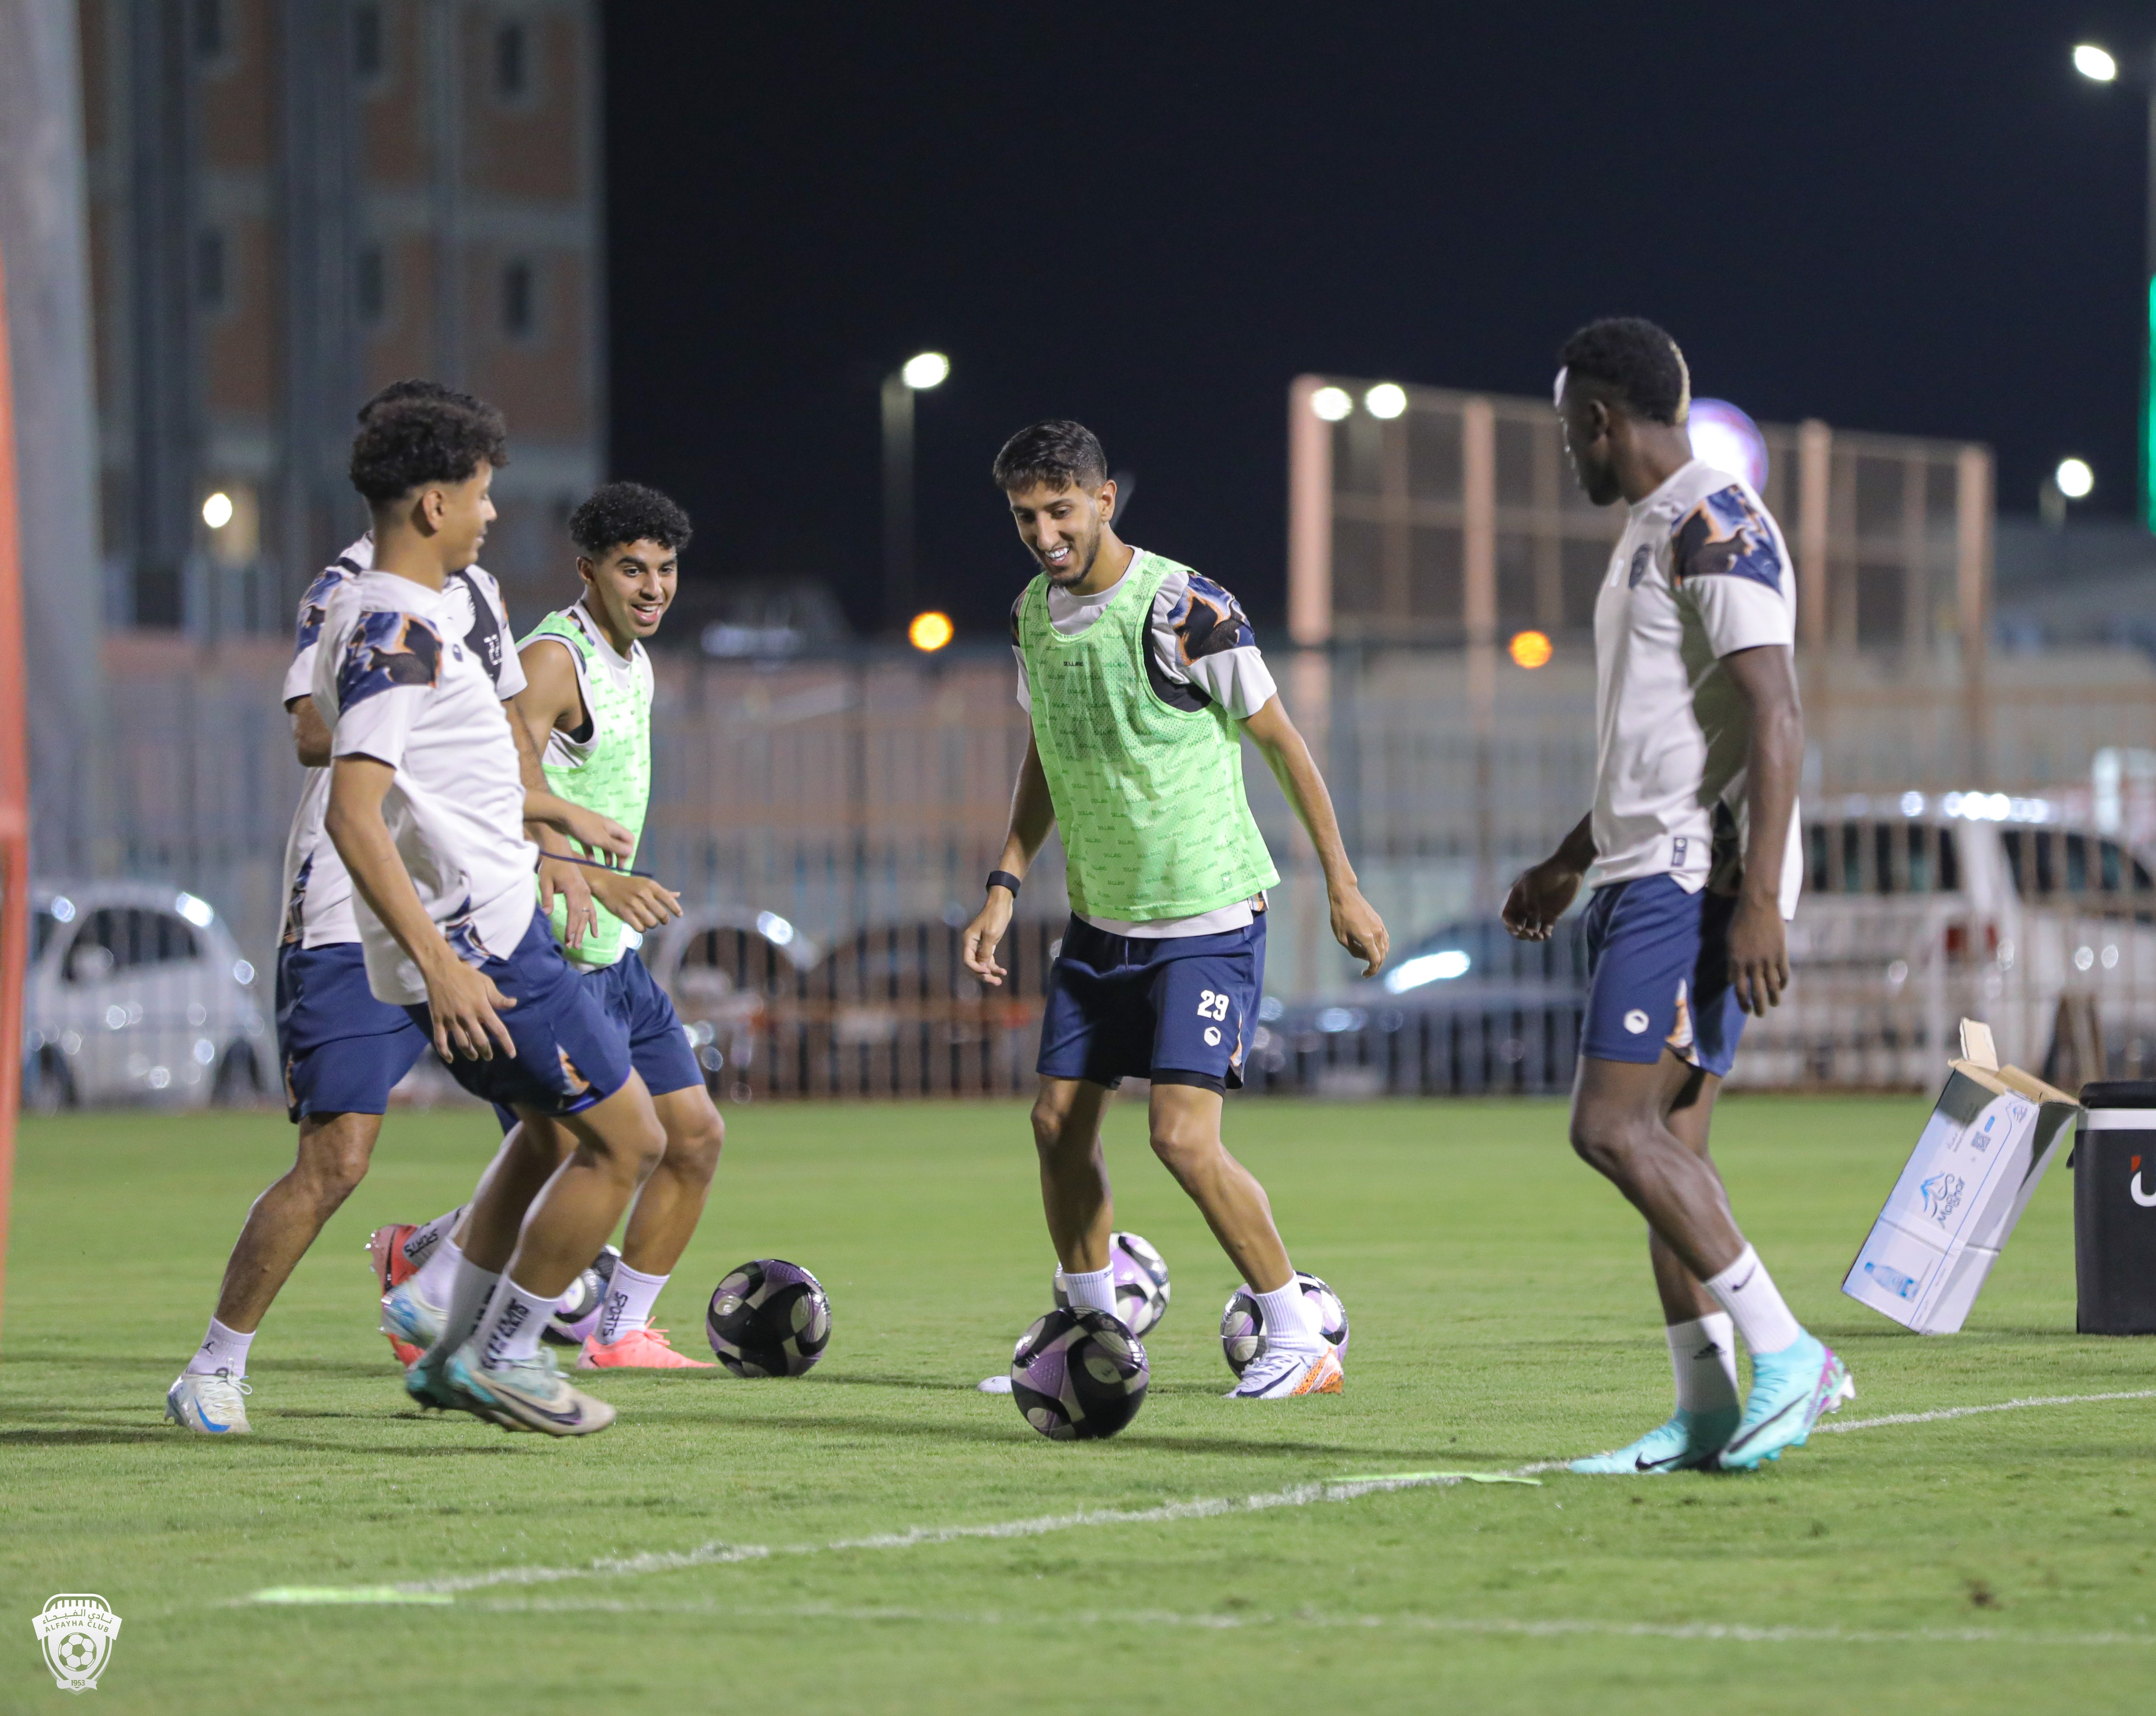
(332, 1162)
(1049, 1119)
(1606, 1142)
(693, 1152)
(1183, 1148)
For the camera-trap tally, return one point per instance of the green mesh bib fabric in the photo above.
(1149, 799)
(610, 771)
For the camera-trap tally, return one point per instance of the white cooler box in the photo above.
(1992, 1133)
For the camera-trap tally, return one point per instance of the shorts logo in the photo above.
(1212, 1037)
(77, 1631)
(1635, 1021)
(2147, 1200)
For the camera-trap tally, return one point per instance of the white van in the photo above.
(135, 992)
(1919, 911)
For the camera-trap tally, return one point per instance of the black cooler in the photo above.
(2115, 1209)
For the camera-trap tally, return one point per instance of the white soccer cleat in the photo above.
(209, 1405)
(1284, 1373)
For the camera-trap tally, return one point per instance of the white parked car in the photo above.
(1919, 911)
(136, 993)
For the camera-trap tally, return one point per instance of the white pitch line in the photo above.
(1301, 1495)
(1410, 1622)
(1833, 1425)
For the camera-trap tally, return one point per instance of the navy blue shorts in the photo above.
(1177, 1010)
(658, 1043)
(342, 1051)
(1658, 975)
(569, 1053)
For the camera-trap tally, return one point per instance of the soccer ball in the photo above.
(768, 1318)
(576, 1311)
(1079, 1374)
(1142, 1289)
(1243, 1323)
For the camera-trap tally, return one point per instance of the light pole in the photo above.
(926, 370)
(2100, 66)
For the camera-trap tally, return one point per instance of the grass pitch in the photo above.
(1502, 1315)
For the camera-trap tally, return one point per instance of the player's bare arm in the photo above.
(1356, 925)
(1032, 813)
(1544, 893)
(1766, 678)
(533, 713)
(466, 1005)
(311, 733)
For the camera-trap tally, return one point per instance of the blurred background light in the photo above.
(217, 510)
(1387, 400)
(2074, 478)
(2091, 61)
(1728, 439)
(1529, 649)
(927, 370)
(1332, 403)
(929, 631)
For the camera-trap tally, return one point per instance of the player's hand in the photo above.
(637, 900)
(982, 935)
(598, 835)
(1356, 926)
(1758, 956)
(467, 1009)
(567, 880)
(1539, 898)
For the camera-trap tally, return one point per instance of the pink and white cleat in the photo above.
(645, 1348)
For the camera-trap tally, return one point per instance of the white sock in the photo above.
(1287, 1319)
(508, 1333)
(222, 1349)
(1747, 1293)
(1094, 1287)
(424, 1240)
(1703, 1354)
(628, 1303)
(437, 1276)
(469, 1290)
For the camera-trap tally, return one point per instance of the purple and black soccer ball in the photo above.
(1079, 1374)
(577, 1312)
(1243, 1323)
(768, 1318)
(1141, 1288)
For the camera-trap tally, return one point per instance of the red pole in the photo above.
(14, 793)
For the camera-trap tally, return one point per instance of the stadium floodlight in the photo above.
(2074, 478)
(929, 631)
(1387, 400)
(217, 510)
(1427, 968)
(1332, 403)
(930, 369)
(2092, 63)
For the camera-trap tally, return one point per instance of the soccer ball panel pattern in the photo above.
(577, 1313)
(1242, 1324)
(1079, 1375)
(768, 1318)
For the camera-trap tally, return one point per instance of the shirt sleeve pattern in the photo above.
(315, 607)
(1204, 652)
(386, 650)
(1725, 536)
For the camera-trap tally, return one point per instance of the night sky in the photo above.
(1913, 217)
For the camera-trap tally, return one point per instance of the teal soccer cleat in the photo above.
(1789, 1390)
(530, 1394)
(1688, 1442)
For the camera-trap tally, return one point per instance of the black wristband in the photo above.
(1004, 878)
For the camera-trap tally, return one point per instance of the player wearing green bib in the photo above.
(587, 704)
(1141, 678)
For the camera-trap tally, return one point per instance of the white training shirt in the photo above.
(395, 682)
(317, 892)
(1701, 572)
(1200, 650)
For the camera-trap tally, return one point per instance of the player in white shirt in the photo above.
(427, 809)
(341, 1050)
(1691, 852)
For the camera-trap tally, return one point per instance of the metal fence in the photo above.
(861, 801)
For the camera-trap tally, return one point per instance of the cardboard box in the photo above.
(1983, 1154)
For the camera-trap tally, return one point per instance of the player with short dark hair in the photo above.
(587, 704)
(427, 808)
(341, 1050)
(1140, 677)
(1691, 850)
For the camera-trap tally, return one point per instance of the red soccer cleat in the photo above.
(385, 1247)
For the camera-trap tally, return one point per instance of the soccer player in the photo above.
(1693, 848)
(587, 702)
(427, 808)
(1141, 678)
(342, 1050)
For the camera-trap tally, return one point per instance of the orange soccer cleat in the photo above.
(385, 1248)
(638, 1349)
